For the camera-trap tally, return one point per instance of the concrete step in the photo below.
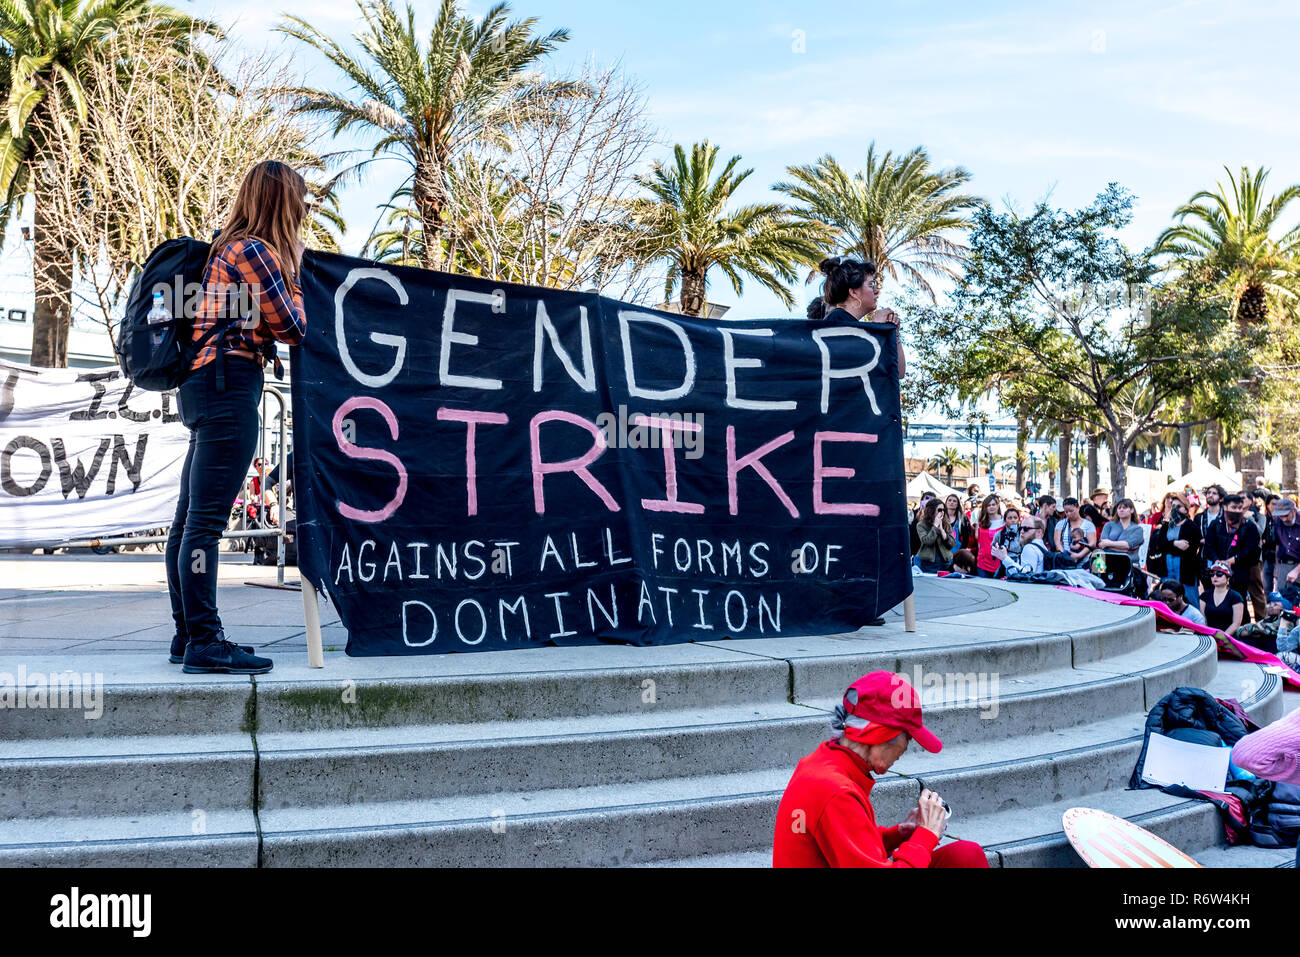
(184, 837)
(400, 764)
(612, 755)
(148, 696)
(1020, 704)
(78, 777)
(40, 777)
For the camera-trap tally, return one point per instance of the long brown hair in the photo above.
(270, 206)
(984, 510)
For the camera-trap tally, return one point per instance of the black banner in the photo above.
(482, 466)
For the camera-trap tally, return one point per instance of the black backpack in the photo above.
(158, 357)
(1275, 820)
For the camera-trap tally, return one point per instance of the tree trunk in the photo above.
(692, 301)
(426, 192)
(52, 272)
(1212, 443)
(1236, 456)
(1118, 470)
(1094, 472)
(1022, 439)
(1288, 470)
(1185, 441)
(1251, 462)
(1063, 452)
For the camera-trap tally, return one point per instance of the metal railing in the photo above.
(278, 532)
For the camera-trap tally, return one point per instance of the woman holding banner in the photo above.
(850, 289)
(255, 258)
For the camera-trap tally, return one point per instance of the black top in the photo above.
(1189, 564)
(840, 314)
(1241, 543)
(1220, 616)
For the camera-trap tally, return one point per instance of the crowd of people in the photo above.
(1229, 561)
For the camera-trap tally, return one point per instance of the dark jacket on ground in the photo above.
(1193, 714)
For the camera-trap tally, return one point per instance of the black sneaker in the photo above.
(222, 657)
(876, 622)
(177, 655)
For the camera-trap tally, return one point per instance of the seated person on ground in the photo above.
(1174, 595)
(1031, 554)
(1288, 640)
(826, 819)
(1223, 608)
(1263, 634)
(963, 562)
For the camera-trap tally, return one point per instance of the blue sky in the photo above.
(1032, 98)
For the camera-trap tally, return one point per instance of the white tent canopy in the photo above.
(1203, 475)
(925, 482)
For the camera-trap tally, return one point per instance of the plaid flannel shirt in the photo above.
(247, 272)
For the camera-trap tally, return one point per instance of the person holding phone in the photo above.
(256, 257)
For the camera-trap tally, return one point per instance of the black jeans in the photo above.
(223, 436)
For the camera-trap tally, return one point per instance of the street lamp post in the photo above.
(978, 431)
(1078, 466)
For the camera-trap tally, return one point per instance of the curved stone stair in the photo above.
(606, 756)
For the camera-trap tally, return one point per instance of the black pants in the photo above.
(223, 436)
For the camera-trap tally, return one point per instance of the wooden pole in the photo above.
(909, 612)
(311, 616)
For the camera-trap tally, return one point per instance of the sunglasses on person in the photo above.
(1218, 574)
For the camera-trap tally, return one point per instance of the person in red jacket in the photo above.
(825, 818)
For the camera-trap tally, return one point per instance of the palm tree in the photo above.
(948, 459)
(1228, 236)
(1228, 233)
(429, 103)
(687, 222)
(898, 212)
(46, 49)
(1051, 462)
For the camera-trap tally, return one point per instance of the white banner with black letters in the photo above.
(83, 454)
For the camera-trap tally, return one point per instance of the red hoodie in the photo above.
(825, 818)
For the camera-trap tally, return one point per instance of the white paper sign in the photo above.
(84, 454)
(1197, 766)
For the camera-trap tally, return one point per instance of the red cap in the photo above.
(883, 699)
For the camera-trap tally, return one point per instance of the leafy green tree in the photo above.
(689, 221)
(429, 102)
(46, 50)
(897, 211)
(1051, 309)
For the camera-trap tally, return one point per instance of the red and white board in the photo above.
(1104, 840)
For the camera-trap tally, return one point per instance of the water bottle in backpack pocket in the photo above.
(155, 342)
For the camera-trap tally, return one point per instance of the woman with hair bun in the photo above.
(850, 290)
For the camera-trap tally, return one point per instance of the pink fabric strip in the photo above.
(1250, 652)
